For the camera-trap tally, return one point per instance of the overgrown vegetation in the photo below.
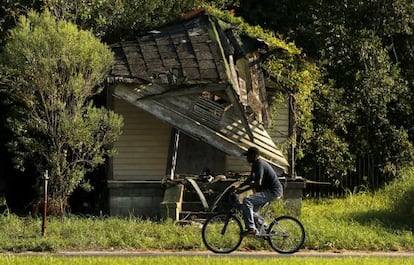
(123, 19)
(346, 65)
(363, 111)
(53, 70)
(364, 221)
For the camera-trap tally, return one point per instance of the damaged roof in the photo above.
(197, 76)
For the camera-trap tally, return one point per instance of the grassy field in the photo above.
(363, 221)
(201, 260)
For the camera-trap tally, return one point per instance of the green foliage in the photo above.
(54, 70)
(254, 31)
(109, 20)
(298, 78)
(112, 20)
(10, 11)
(398, 196)
(289, 70)
(364, 52)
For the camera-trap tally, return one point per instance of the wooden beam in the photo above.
(236, 103)
(179, 120)
(189, 90)
(185, 123)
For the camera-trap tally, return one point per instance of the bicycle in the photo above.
(223, 232)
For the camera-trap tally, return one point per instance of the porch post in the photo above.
(174, 153)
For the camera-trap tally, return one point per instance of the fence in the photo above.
(366, 177)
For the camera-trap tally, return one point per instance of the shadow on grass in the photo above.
(399, 216)
(384, 218)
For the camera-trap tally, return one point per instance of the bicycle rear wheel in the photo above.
(222, 233)
(286, 234)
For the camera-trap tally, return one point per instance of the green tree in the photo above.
(54, 69)
(364, 50)
(112, 20)
(11, 10)
(109, 20)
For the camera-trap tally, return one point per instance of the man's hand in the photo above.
(244, 187)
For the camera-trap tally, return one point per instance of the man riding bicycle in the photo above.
(264, 181)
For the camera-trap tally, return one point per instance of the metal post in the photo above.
(45, 179)
(175, 153)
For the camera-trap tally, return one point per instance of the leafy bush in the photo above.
(399, 195)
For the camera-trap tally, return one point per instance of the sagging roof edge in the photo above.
(200, 131)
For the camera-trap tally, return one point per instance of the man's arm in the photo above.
(246, 185)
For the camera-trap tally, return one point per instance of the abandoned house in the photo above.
(193, 98)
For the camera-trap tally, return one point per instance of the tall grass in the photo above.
(366, 221)
(74, 233)
(372, 221)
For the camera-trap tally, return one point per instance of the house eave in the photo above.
(232, 139)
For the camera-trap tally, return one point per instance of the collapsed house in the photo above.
(193, 98)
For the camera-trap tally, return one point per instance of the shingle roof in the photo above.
(188, 52)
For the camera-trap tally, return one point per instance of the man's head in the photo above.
(252, 154)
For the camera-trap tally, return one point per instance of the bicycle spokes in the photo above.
(222, 233)
(286, 234)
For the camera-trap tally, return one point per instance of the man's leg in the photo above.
(250, 205)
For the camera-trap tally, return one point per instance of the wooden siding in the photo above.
(143, 146)
(280, 123)
(231, 137)
(237, 164)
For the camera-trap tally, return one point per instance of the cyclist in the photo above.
(264, 181)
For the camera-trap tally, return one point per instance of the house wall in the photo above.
(138, 167)
(237, 164)
(142, 158)
(142, 150)
(280, 127)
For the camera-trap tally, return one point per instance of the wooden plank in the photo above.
(169, 49)
(170, 62)
(186, 54)
(239, 110)
(199, 193)
(142, 154)
(194, 128)
(163, 41)
(195, 89)
(204, 38)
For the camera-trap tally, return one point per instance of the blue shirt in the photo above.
(263, 173)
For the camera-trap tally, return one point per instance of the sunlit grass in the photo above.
(365, 221)
(201, 260)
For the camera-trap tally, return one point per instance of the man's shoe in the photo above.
(250, 231)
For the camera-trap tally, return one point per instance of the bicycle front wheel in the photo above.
(222, 233)
(286, 234)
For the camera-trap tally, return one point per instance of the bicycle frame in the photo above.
(283, 239)
(223, 231)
